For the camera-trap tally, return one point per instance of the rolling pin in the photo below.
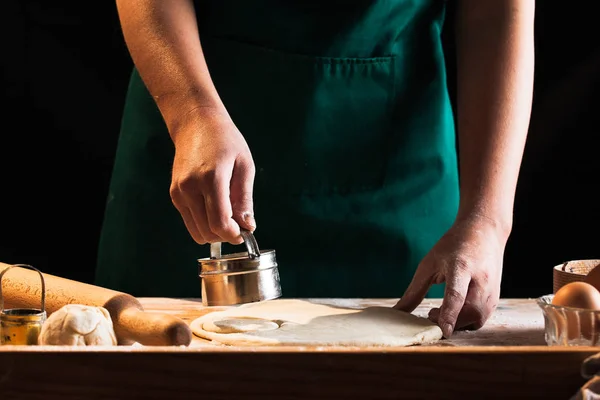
(21, 288)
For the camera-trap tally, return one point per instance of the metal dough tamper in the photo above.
(239, 278)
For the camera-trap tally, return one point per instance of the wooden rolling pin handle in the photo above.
(133, 324)
(152, 329)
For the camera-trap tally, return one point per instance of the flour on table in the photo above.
(303, 323)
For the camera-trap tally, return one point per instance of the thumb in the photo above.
(242, 184)
(417, 289)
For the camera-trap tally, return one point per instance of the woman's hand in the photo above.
(213, 177)
(468, 258)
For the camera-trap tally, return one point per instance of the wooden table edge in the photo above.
(307, 349)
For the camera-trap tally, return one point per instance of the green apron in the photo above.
(345, 108)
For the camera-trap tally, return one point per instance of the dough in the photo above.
(238, 325)
(78, 325)
(303, 323)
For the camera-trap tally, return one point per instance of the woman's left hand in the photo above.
(468, 258)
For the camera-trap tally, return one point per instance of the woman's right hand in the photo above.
(213, 176)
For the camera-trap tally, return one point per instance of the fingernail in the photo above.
(249, 220)
(447, 330)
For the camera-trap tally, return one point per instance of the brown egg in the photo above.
(578, 295)
(593, 277)
(578, 323)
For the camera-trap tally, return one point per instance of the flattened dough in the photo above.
(239, 325)
(291, 322)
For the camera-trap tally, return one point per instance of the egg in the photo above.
(578, 321)
(593, 277)
(578, 295)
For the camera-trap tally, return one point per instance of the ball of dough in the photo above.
(78, 325)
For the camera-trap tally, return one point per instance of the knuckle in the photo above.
(188, 183)
(483, 278)
(245, 165)
(210, 176)
(175, 194)
(454, 296)
(462, 265)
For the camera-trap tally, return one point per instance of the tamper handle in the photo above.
(215, 250)
(249, 240)
(251, 245)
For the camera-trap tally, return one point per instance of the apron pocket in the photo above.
(315, 125)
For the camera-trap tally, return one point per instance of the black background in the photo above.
(65, 69)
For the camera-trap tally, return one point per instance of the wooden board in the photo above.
(506, 359)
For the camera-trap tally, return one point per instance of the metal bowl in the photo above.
(569, 326)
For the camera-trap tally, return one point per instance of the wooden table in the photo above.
(508, 358)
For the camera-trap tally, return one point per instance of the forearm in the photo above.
(495, 60)
(163, 40)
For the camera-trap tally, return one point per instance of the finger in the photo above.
(197, 209)
(472, 311)
(457, 287)
(191, 226)
(434, 315)
(478, 310)
(475, 312)
(462, 322)
(480, 303)
(469, 313)
(218, 207)
(417, 289)
(242, 186)
(187, 217)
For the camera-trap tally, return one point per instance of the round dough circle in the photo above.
(239, 325)
(308, 323)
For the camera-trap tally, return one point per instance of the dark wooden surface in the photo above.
(438, 373)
